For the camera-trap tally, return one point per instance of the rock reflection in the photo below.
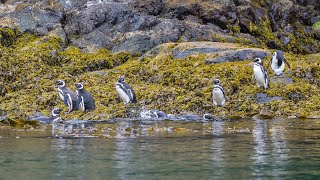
(260, 138)
(271, 153)
(218, 148)
(66, 153)
(124, 152)
(279, 151)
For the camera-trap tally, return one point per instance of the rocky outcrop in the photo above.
(215, 52)
(264, 98)
(139, 25)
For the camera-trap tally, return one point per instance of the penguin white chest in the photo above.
(60, 92)
(259, 75)
(218, 97)
(122, 94)
(274, 66)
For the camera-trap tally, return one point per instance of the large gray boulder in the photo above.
(139, 25)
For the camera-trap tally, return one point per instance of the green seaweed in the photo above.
(30, 66)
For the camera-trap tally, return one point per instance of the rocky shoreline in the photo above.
(169, 53)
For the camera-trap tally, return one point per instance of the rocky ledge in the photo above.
(137, 26)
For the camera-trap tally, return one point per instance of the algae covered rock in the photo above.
(214, 52)
(283, 79)
(264, 98)
(264, 114)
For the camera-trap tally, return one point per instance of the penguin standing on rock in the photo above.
(278, 62)
(68, 97)
(85, 99)
(125, 92)
(260, 74)
(218, 95)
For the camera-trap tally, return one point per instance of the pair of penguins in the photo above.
(84, 100)
(277, 65)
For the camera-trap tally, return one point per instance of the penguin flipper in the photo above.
(285, 60)
(131, 96)
(266, 80)
(269, 63)
(65, 99)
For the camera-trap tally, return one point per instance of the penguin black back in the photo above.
(125, 91)
(85, 99)
(280, 57)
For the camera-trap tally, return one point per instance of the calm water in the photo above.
(244, 149)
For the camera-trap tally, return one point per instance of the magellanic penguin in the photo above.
(85, 99)
(278, 62)
(218, 95)
(68, 97)
(260, 73)
(55, 116)
(125, 92)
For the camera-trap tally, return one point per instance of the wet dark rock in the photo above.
(273, 44)
(264, 98)
(151, 7)
(296, 97)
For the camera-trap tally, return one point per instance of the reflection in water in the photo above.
(190, 150)
(124, 152)
(218, 148)
(260, 135)
(67, 152)
(271, 152)
(279, 151)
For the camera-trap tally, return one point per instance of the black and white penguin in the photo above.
(125, 92)
(260, 74)
(68, 97)
(278, 62)
(85, 99)
(55, 116)
(218, 95)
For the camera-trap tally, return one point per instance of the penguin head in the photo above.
(257, 60)
(121, 79)
(61, 83)
(279, 55)
(79, 86)
(56, 111)
(216, 82)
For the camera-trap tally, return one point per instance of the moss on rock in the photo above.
(30, 66)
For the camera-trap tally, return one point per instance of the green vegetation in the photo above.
(30, 66)
(316, 26)
(298, 41)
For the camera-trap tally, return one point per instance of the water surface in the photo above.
(246, 149)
